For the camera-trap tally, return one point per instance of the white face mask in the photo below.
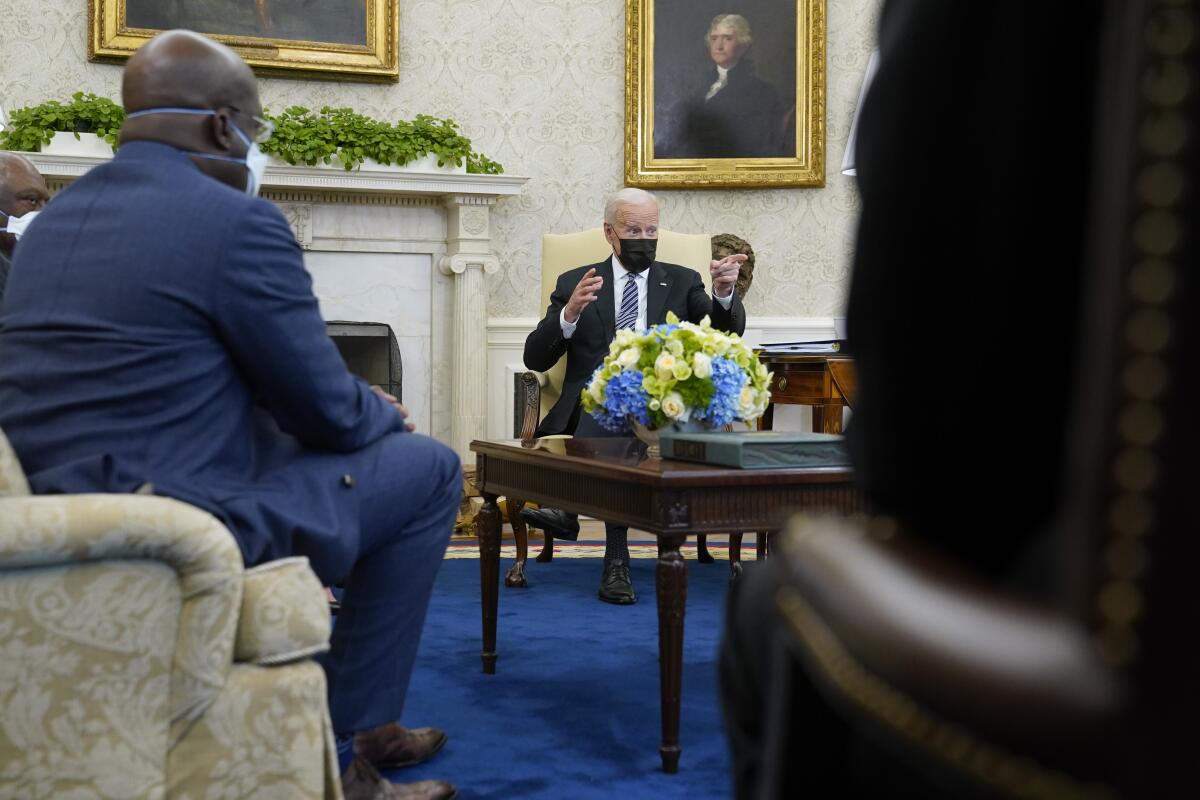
(255, 159)
(17, 225)
(256, 164)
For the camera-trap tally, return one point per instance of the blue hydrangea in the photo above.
(623, 397)
(728, 379)
(664, 329)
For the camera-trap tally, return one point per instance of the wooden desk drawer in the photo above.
(799, 387)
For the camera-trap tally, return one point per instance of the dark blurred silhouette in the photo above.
(1013, 620)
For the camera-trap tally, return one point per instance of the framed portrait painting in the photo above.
(724, 93)
(346, 39)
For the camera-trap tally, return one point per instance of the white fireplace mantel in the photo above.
(349, 186)
(338, 215)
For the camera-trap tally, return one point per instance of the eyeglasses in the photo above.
(263, 128)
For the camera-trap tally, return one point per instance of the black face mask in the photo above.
(638, 254)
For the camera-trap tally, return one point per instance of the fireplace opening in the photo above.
(370, 352)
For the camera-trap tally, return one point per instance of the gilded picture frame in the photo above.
(759, 123)
(330, 39)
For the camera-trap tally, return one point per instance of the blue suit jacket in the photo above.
(160, 327)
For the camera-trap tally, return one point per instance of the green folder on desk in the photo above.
(756, 449)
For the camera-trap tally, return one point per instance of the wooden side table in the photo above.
(825, 382)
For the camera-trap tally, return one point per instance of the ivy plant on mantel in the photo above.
(349, 138)
(301, 136)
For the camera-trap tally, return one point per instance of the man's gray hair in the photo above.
(740, 25)
(626, 197)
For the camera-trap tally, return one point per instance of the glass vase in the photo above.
(650, 435)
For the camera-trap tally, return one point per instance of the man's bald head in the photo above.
(10, 161)
(182, 69)
(186, 70)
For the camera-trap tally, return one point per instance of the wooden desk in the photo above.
(613, 480)
(825, 382)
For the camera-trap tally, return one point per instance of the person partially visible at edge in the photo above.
(23, 194)
(163, 336)
(974, 483)
(731, 112)
(629, 289)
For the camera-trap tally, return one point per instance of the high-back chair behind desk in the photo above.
(537, 392)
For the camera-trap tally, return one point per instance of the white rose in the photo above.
(629, 357)
(624, 336)
(675, 347)
(673, 406)
(747, 402)
(701, 365)
(596, 390)
(664, 366)
(654, 404)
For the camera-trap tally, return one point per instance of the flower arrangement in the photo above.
(677, 372)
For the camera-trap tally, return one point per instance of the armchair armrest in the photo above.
(528, 402)
(63, 530)
(285, 614)
(912, 642)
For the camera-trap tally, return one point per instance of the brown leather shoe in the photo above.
(361, 781)
(391, 745)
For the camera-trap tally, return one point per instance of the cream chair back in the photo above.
(12, 478)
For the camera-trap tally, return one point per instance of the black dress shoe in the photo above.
(615, 585)
(554, 521)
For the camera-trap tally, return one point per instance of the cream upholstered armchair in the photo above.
(139, 659)
(537, 392)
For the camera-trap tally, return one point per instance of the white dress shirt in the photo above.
(720, 83)
(639, 278)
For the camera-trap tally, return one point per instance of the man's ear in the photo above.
(610, 236)
(221, 131)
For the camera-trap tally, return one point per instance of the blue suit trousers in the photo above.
(410, 487)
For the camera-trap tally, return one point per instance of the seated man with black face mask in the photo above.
(634, 291)
(23, 192)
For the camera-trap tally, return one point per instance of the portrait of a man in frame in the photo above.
(724, 79)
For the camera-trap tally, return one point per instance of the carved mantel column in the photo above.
(468, 258)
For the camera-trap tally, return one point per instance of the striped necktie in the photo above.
(627, 317)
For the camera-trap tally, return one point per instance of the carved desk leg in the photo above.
(488, 526)
(702, 554)
(735, 556)
(515, 577)
(671, 585)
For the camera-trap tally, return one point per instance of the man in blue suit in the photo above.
(161, 334)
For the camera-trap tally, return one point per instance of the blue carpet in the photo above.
(573, 710)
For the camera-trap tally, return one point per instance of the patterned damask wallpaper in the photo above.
(539, 86)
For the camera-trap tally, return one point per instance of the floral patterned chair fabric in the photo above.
(139, 659)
